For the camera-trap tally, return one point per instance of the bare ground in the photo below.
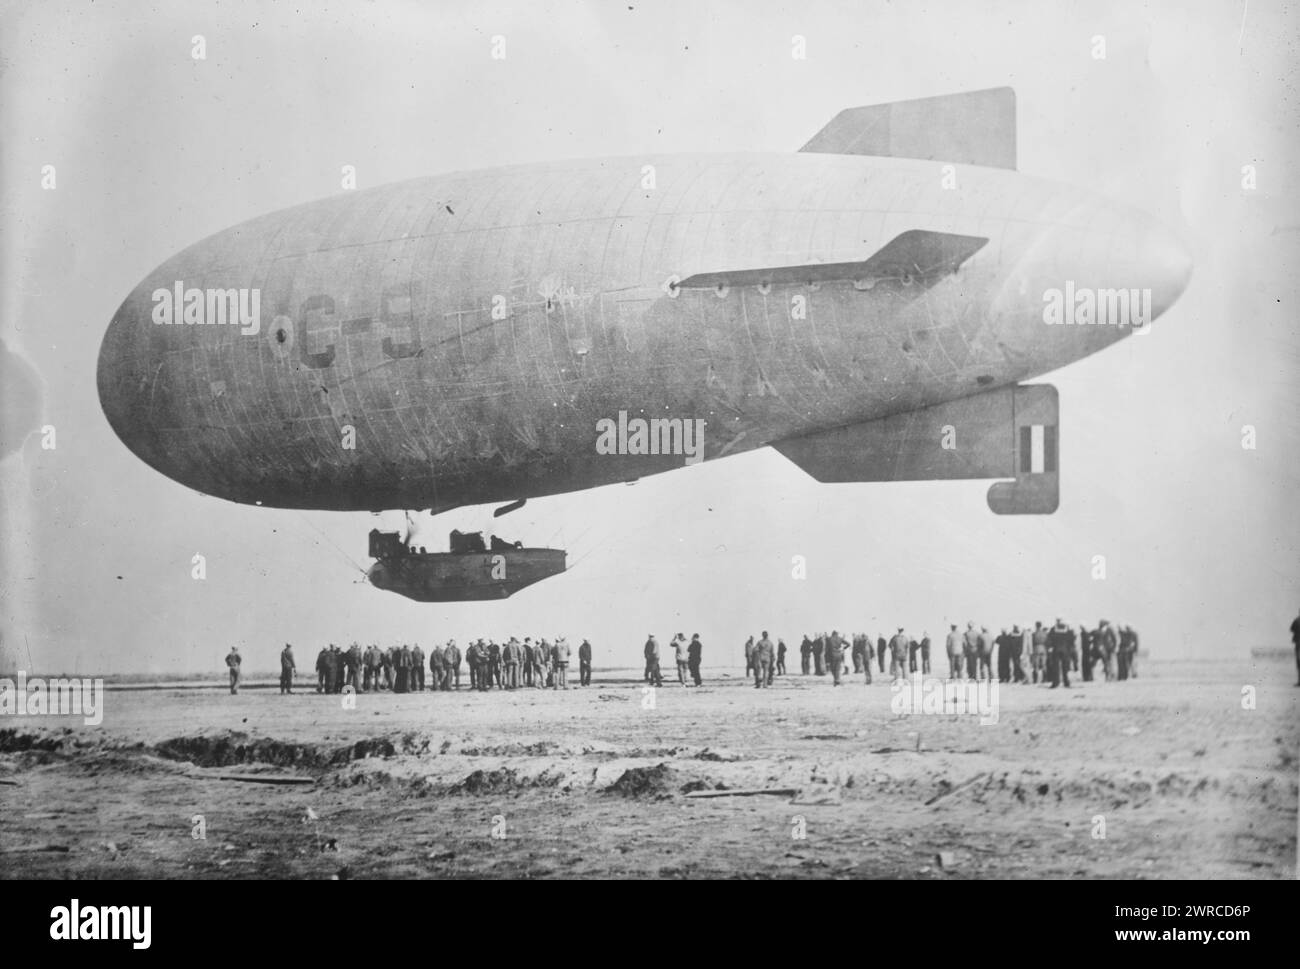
(591, 783)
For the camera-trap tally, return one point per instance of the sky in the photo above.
(154, 149)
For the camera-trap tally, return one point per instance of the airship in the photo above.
(873, 306)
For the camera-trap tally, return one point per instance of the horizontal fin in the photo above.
(1011, 432)
(971, 128)
(915, 255)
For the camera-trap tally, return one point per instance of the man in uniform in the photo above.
(1015, 649)
(986, 643)
(970, 648)
(232, 663)
(882, 644)
(561, 654)
(780, 658)
(1004, 656)
(653, 675)
(286, 669)
(1038, 657)
(819, 654)
(1089, 650)
(584, 664)
(805, 655)
(494, 660)
(526, 667)
(866, 659)
(471, 657)
(925, 653)
(899, 651)
(369, 660)
(386, 661)
(954, 647)
(835, 655)
(693, 653)
(437, 669)
(1108, 643)
(334, 670)
(322, 671)
(354, 666)
(749, 655)
(417, 668)
(1125, 653)
(451, 665)
(1060, 643)
(762, 661)
(681, 655)
(856, 652)
(545, 671)
(510, 662)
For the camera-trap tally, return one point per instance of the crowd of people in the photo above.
(401, 669)
(976, 654)
(1018, 655)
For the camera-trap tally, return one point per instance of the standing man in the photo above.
(805, 655)
(986, 642)
(451, 663)
(437, 669)
(819, 654)
(762, 661)
(386, 660)
(584, 664)
(1038, 655)
(970, 648)
(749, 655)
(371, 659)
(954, 647)
(1004, 656)
(925, 654)
(681, 653)
(562, 663)
(780, 657)
(1060, 642)
(856, 653)
(1109, 645)
(835, 655)
(510, 657)
(541, 663)
(322, 671)
(882, 644)
(1015, 648)
(653, 676)
(471, 657)
(232, 663)
(417, 668)
(354, 666)
(286, 669)
(693, 652)
(899, 654)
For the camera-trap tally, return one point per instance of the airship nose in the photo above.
(1166, 267)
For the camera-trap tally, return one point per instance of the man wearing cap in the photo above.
(1060, 643)
(560, 655)
(762, 661)
(286, 669)
(681, 656)
(653, 676)
(835, 655)
(693, 653)
(899, 653)
(232, 662)
(584, 664)
(1038, 653)
(954, 646)
(451, 665)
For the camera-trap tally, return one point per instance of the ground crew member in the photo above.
(1107, 642)
(1038, 656)
(494, 663)
(437, 669)
(232, 663)
(584, 664)
(819, 655)
(954, 647)
(899, 649)
(370, 659)
(510, 657)
(882, 644)
(471, 657)
(681, 654)
(805, 655)
(386, 662)
(866, 658)
(1015, 648)
(762, 661)
(652, 662)
(1004, 656)
(542, 654)
(417, 668)
(835, 655)
(334, 669)
(451, 663)
(970, 648)
(286, 669)
(1126, 651)
(322, 677)
(925, 653)
(780, 657)
(985, 642)
(749, 655)
(354, 666)
(856, 652)
(1060, 643)
(693, 653)
(561, 654)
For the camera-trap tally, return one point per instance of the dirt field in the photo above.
(591, 783)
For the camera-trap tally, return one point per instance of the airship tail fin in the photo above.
(1010, 432)
(971, 128)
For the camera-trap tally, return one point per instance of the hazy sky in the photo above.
(154, 150)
